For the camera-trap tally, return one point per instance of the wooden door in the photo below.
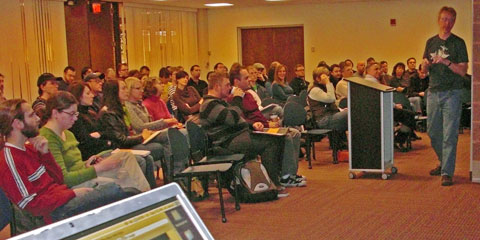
(265, 45)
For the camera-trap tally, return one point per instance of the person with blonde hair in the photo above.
(280, 89)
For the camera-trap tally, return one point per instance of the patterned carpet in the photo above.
(411, 205)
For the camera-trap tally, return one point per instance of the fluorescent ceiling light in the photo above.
(218, 4)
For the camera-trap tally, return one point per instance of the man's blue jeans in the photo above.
(443, 111)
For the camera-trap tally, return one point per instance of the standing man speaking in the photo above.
(445, 58)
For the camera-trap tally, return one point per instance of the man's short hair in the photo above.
(334, 66)
(192, 67)
(144, 68)
(68, 68)
(216, 79)
(42, 80)
(370, 59)
(235, 73)
(382, 62)
(164, 73)
(371, 64)
(448, 10)
(297, 66)
(342, 66)
(9, 110)
(411, 59)
(85, 70)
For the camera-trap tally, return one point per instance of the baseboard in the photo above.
(476, 180)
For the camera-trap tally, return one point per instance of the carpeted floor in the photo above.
(411, 205)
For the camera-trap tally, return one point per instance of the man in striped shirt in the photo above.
(31, 178)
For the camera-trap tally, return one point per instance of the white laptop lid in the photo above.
(162, 213)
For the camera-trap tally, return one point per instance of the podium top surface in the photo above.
(366, 83)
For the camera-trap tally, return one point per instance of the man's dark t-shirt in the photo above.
(442, 78)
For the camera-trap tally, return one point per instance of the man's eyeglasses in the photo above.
(72, 114)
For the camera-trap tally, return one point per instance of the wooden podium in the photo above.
(370, 127)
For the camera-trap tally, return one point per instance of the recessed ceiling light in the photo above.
(218, 4)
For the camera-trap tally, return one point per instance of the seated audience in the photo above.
(227, 129)
(280, 89)
(47, 86)
(95, 83)
(137, 113)
(258, 91)
(68, 78)
(261, 75)
(171, 90)
(360, 69)
(85, 71)
(145, 71)
(152, 93)
(187, 99)
(121, 168)
(335, 74)
(299, 83)
(239, 78)
(116, 126)
(398, 81)
(321, 98)
(122, 71)
(220, 68)
(271, 77)
(195, 81)
(86, 129)
(166, 80)
(32, 179)
(385, 77)
(341, 91)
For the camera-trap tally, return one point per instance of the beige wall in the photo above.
(28, 51)
(342, 30)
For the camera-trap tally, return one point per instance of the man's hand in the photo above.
(95, 135)
(201, 101)
(258, 126)
(80, 192)
(40, 143)
(324, 79)
(400, 89)
(272, 124)
(425, 65)
(398, 106)
(421, 94)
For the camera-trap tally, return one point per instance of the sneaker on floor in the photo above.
(292, 182)
(300, 177)
(282, 193)
(447, 180)
(436, 171)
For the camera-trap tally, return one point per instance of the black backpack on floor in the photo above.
(253, 183)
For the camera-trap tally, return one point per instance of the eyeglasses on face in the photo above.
(71, 114)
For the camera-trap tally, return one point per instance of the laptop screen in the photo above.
(170, 217)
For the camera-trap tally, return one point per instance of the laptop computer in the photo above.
(162, 213)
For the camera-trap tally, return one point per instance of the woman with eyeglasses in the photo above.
(120, 168)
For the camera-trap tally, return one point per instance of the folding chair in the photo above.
(296, 115)
(200, 151)
(181, 153)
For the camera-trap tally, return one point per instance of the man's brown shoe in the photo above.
(447, 180)
(436, 171)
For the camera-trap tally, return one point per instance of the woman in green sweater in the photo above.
(121, 168)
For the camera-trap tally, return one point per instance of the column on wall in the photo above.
(476, 94)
